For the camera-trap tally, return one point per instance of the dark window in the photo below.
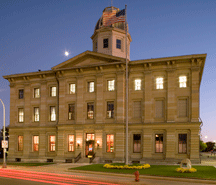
(182, 143)
(105, 43)
(137, 143)
(118, 43)
(21, 93)
(71, 112)
(159, 143)
(110, 109)
(90, 110)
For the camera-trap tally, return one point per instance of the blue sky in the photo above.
(35, 33)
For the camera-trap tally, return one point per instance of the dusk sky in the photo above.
(34, 34)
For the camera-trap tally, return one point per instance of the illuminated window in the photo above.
(52, 114)
(52, 91)
(182, 81)
(111, 85)
(89, 137)
(105, 43)
(159, 143)
(36, 114)
(21, 93)
(110, 109)
(118, 43)
(35, 143)
(70, 143)
(21, 115)
(110, 143)
(72, 88)
(90, 110)
(52, 143)
(36, 93)
(159, 83)
(137, 143)
(20, 143)
(182, 142)
(137, 83)
(71, 111)
(90, 86)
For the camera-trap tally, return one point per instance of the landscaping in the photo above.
(203, 172)
(28, 164)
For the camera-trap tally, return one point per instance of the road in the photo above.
(11, 176)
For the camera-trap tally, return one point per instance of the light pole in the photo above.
(4, 161)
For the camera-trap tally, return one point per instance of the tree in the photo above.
(210, 146)
(203, 146)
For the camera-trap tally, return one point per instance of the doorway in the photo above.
(89, 145)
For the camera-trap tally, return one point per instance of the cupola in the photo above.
(109, 34)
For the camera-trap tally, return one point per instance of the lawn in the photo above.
(28, 164)
(203, 172)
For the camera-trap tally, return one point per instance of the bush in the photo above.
(183, 170)
(110, 166)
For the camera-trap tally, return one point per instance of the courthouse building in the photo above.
(78, 107)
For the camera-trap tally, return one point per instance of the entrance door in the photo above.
(89, 145)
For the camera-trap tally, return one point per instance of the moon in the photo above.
(66, 53)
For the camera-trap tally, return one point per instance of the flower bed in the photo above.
(110, 166)
(183, 170)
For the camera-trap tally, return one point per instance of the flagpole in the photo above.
(126, 143)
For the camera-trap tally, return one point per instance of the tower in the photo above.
(109, 34)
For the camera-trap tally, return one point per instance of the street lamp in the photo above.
(4, 161)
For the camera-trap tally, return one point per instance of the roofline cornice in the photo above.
(27, 74)
(164, 59)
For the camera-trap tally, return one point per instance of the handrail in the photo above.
(91, 159)
(77, 158)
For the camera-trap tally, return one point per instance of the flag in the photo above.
(122, 12)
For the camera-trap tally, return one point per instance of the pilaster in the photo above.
(80, 101)
(120, 113)
(99, 99)
(171, 106)
(148, 112)
(170, 143)
(195, 94)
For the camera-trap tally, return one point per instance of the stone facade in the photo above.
(163, 116)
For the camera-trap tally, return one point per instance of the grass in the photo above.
(203, 172)
(28, 164)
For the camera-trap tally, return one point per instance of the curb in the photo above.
(147, 177)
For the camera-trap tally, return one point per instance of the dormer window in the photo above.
(118, 43)
(105, 43)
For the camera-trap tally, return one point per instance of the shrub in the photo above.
(110, 166)
(183, 170)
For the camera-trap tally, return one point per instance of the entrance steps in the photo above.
(83, 160)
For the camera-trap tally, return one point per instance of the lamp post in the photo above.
(4, 161)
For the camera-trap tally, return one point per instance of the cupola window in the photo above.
(118, 43)
(105, 43)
